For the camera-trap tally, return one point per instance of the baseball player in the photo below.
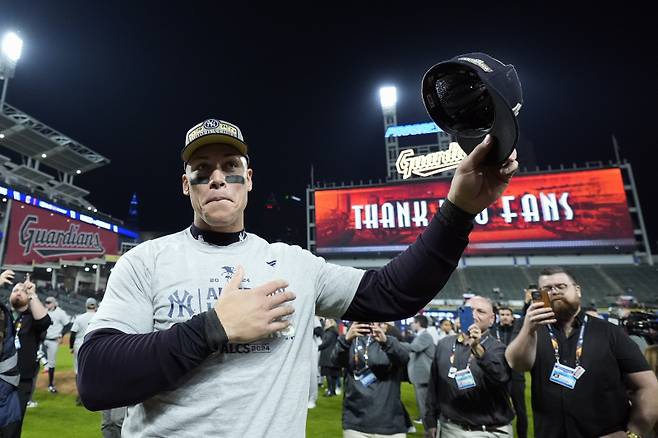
(79, 328)
(53, 338)
(208, 331)
(111, 419)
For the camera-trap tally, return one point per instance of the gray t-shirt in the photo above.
(59, 318)
(80, 328)
(247, 390)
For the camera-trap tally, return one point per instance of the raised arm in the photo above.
(492, 362)
(521, 352)
(420, 343)
(409, 281)
(37, 308)
(393, 348)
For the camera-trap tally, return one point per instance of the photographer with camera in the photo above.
(374, 363)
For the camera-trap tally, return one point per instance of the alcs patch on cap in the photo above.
(213, 131)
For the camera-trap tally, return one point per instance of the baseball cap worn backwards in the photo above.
(213, 131)
(472, 95)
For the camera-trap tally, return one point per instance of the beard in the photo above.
(17, 302)
(565, 310)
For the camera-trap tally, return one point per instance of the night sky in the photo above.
(129, 78)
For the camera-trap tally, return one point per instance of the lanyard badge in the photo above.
(18, 325)
(463, 378)
(364, 375)
(561, 374)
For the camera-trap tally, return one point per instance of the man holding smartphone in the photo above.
(468, 389)
(588, 377)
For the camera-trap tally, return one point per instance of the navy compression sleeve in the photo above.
(412, 279)
(118, 369)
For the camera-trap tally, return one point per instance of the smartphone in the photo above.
(541, 297)
(465, 318)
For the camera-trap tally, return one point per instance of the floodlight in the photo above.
(388, 96)
(12, 46)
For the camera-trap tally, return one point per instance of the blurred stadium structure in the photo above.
(48, 227)
(587, 218)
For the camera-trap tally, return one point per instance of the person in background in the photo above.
(10, 406)
(432, 330)
(446, 327)
(31, 320)
(54, 336)
(505, 332)
(588, 377)
(327, 368)
(78, 331)
(421, 353)
(315, 358)
(373, 363)
(468, 391)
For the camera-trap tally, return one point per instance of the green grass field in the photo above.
(58, 416)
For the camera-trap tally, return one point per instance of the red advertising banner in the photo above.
(564, 211)
(36, 235)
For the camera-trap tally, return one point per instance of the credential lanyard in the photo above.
(365, 352)
(579, 345)
(18, 324)
(470, 355)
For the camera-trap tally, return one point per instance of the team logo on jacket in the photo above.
(229, 271)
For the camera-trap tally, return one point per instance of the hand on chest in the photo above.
(179, 298)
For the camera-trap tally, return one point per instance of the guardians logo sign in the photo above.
(48, 242)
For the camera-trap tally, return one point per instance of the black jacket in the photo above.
(328, 341)
(485, 404)
(375, 408)
(30, 334)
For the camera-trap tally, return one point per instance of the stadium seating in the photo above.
(601, 284)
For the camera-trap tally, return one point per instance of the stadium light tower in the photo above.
(388, 97)
(10, 52)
